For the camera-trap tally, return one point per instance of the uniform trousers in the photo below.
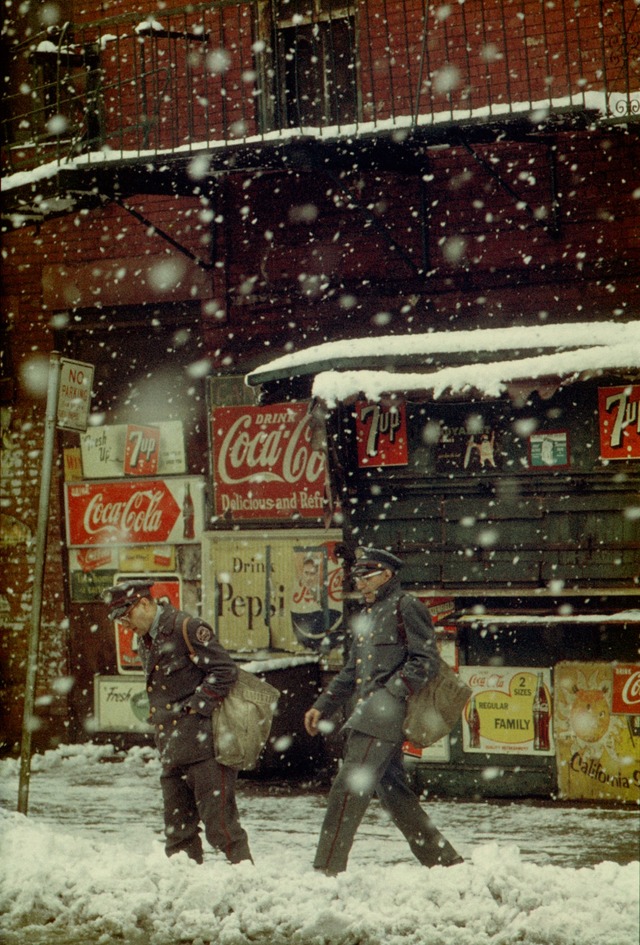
(374, 766)
(202, 792)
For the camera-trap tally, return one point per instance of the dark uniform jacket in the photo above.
(184, 689)
(390, 658)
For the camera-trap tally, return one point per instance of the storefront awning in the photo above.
(535, 620)
(488, 361)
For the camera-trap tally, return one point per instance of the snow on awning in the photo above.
(624, 617)
(487, 361)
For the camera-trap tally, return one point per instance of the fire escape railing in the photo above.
(229, 71)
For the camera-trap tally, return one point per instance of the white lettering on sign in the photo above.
(140, 513)
(382, 422)
(144, 446)
(626, 414)
(245, 456)
(631, 690)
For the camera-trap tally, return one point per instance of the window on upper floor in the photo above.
(309, 62)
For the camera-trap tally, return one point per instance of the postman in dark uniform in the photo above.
(183, 689)
(393, 653)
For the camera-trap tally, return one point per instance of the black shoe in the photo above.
(454, 862)
(326, 872)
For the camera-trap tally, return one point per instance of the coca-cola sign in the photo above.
(264, 464)
(626, 689)
(144, 512)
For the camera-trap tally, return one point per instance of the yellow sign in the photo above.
(598, 752)
(277, 590)
(510, 710)
(72, 464)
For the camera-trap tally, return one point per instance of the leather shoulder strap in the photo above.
(402, 633)
(185, 624)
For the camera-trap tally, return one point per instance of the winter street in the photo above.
(87, 866)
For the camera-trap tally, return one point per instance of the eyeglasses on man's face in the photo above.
(126, 617)
(368, 575)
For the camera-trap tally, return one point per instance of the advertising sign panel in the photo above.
(109, 452)
(597, 748)
(264, 464)
(381, 434)
(280, 589)
(131, 512)
(625, 699)
(121, 705)
(509, 711)
(74, 394)
(550, 448)
(93, 570)
(619, 413)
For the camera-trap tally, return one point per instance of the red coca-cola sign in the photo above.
(144, 512)
(625, 698)
(265, 466)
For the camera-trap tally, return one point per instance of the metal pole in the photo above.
(38, 580)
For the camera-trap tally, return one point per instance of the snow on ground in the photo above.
(87, 867)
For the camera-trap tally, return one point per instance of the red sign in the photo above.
(619, 411)
(381, 435)
(126, 640)
(625, 699)
(264, 464)
(141, 512)
(141, 451)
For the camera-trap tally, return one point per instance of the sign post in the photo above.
(36, 603)
(68, 403)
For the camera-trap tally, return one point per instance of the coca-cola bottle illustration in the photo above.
(473, 721)
(188, 515)
(541, 716)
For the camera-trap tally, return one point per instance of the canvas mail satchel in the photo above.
(436, 707)
(242, 722)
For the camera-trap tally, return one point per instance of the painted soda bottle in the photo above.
(473, 721)
(188, 515)
(541, 716)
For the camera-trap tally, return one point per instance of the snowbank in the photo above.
(96, 891)
(87, 867)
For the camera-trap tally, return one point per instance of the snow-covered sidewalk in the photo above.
(87, 866)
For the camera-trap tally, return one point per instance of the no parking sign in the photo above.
(74, 394)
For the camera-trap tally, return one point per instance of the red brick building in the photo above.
(189, 192)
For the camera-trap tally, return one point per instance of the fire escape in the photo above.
(103, 110)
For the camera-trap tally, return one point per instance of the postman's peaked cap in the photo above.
(371, 559)
(122, 596)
